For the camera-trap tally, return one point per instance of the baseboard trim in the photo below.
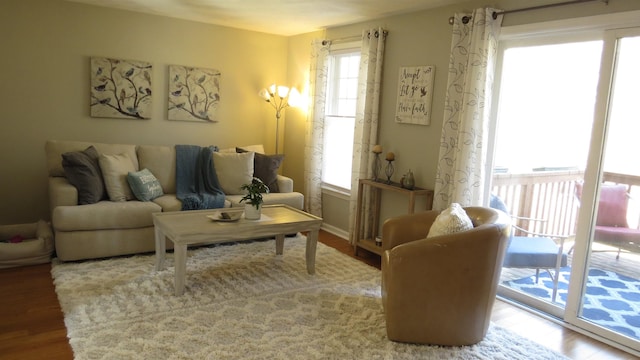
(335, 231)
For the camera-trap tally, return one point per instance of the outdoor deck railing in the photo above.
(550, 196)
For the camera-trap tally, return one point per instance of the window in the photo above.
(339, 123)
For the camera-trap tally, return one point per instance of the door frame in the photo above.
(601, 27)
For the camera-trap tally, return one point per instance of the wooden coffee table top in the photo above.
(188, 227)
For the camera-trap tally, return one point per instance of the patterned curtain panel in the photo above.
(463, 145)
(315, 125)
(366, 130)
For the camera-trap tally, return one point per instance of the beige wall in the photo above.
(44, 87)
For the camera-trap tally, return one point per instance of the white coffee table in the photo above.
(185, 228)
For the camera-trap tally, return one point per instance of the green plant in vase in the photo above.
(253, 198)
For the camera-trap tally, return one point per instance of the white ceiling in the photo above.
(280, 17)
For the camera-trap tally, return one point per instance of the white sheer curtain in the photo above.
(463, 145)
(315, 127)
(366, 129)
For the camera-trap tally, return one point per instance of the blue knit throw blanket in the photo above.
(197, 184)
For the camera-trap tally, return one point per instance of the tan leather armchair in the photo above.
(441, 290)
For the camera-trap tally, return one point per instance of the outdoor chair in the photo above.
(534, 250)
(612, 227)
(440, 290)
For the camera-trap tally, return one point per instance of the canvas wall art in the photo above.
(194, 93)
(120, 88)
(415, 91)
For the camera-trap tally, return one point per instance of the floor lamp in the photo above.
(280, 97)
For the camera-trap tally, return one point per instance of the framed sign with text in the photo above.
(415, 91)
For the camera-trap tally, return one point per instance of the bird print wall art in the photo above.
(194, 93)
(120, 88)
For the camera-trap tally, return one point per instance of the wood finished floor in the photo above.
(32, 324)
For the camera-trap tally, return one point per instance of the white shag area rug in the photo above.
(244, 302)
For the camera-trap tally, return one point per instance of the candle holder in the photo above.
(389, 170)
(376, 167)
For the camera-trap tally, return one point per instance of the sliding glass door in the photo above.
(605, 294)
(545, 114)
(563, 166)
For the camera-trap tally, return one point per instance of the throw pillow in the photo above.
(114, 170)
(612, 206)
(451, 220)
(82, 170)
(233, 170)
(265, 168)
(144, 185)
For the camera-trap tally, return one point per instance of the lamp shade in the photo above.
(295, 98)
(283, 91)
(264, 94)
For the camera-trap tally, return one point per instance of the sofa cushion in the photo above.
(265, 168)
(144, 185)
(161, 161)
(451, 220)
(104, 215)
(82, 170)
(233, 170)
(114, 170)
(168, 202)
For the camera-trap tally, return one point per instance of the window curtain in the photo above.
(315, 127)
(366, 127)
(461, 166)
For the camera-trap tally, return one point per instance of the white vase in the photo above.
(251, 213)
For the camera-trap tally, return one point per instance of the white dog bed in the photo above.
(35, 244)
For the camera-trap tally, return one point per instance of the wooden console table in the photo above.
(376, 188)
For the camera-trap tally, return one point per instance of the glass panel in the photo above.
(344, 67)
(339, 121)
(336, 167)
(612, 296)
(544, 121)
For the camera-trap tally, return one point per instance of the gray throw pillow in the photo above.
(145, 185)
(265, 168)
(82, 170)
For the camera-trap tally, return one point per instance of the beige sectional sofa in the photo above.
(110, 228)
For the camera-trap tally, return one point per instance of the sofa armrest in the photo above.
(61, 193)
(285, 184)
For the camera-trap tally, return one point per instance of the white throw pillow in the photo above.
(451, 220)
(233, 170)
(114, 171)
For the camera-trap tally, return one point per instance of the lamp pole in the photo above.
(277, 128)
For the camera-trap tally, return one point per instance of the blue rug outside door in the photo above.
(612, 300)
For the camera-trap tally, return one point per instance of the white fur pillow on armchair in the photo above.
(451, 220)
